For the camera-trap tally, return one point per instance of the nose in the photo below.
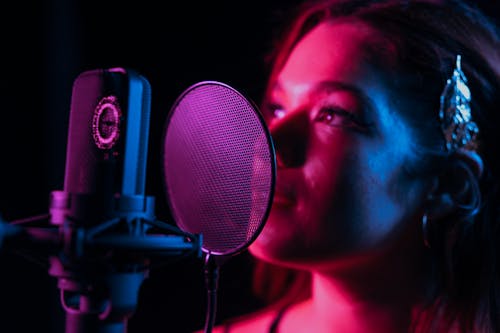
(291, 136)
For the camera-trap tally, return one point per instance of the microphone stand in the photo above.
(100, 269)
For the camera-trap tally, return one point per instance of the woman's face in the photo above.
(343, 151)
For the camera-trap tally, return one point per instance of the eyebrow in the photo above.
(332, 86)
(338, 85)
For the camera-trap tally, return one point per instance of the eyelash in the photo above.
(327, 114)
(274, 111)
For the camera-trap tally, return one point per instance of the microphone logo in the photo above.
(106, 122)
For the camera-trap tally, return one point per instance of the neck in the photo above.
(378, 297)
(353, 307)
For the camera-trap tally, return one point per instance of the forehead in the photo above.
(337, 51)
(332, 49)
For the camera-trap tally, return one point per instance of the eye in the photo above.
(275, 111)
(279, 113)
(338, 117)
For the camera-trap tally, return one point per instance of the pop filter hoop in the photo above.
(219, 167)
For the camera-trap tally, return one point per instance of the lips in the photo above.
(284, 195)
(280, 200)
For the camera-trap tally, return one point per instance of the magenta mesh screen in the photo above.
(219, 167)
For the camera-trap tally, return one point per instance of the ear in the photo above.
(455, 191)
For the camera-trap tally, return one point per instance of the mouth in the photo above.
(282, 201)
(283, 196)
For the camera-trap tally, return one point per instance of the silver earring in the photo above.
(425, 231)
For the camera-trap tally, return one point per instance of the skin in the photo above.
(345, 206)
(343, 190)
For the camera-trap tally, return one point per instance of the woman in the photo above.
(385, 118)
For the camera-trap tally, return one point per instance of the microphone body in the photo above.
(103, 199)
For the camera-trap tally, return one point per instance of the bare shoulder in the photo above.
(257, 322)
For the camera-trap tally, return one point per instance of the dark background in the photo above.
(44, 46)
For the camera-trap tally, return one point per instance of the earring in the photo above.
(425, 231)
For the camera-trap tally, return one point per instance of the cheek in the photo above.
(390, 197)
(357, 198)
(332, 204)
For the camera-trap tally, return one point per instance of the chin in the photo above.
(278, 252)
(294, 254)
(269, 249)
(263, 247)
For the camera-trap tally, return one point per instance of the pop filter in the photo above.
(218, 166)
(219, 171)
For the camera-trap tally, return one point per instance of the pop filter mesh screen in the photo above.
(219, 167)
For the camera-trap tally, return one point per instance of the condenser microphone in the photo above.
(101, 234)
(107, 225)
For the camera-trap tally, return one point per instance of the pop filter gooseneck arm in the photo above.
(211, 270)
(219, 174)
